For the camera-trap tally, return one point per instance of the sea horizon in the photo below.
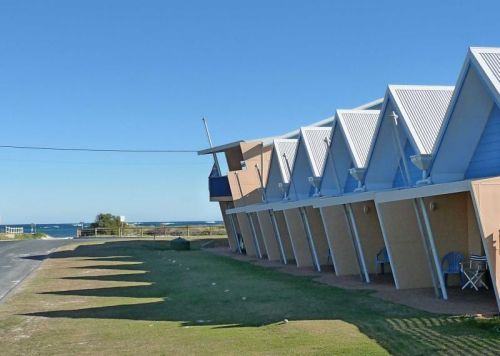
(60, 230)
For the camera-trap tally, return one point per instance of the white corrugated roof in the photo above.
(423, 109)
(285, 148)
(489, 60)
(267, 141)
(359, 128)
(315, 140)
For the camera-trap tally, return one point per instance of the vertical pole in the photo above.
(277, 235)
(433, 250)
(310, 240)
(290, 174)
(254, 235)
(400, 148)
(427, 247)
(235, 232)
(332, 162)
(216, 160)
(323, 219)
(353, 240)
(357, 244)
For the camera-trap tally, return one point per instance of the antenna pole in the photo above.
(216, 160)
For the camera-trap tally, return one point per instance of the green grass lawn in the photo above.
(138, 297)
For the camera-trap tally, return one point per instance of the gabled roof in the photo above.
(267, 141)
(285, 148)
(315, 141)
(488, 60)
(423, 110)
(358, 127)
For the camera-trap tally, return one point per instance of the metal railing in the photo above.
(154, 231)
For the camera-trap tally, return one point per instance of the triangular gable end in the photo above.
(468, 146)
(338, 161)
(420, 111)
(277, 184)
(309, 160)
(384, 157)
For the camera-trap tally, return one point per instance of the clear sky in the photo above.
(141, 74)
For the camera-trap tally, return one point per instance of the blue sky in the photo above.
(141, 74)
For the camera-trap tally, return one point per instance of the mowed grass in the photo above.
(139, 297)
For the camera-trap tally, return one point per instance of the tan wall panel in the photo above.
(298, 237)
(337, 232)
(449, 222)
(486, 199)
(266, 227)
(285, 236)
(246, 234)
(475, 245)
(231, 238)
(370, 235)
(318, 234)
(409, 260)
(258, 233)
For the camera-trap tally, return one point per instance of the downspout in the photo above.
(263, 192)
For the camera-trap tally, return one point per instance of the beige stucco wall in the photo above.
(410, 265)
(338, 234)
(302, 252)
(284, 235)
(486, 199)
(454, 226)
(266, 227)
(231, 238)
(370, 235)
(318, 234)
(258, 233)
(246, 234)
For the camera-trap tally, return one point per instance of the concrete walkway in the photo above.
(460, 302)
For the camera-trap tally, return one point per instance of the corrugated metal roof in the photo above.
(315, 140)
(423, 108)
(286, 148)
(489, 60)
(289, 135)
(359, 130)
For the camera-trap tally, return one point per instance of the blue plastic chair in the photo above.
(380, 259)
(450, 264)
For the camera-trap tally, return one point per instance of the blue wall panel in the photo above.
(486, 159)
(415, 173)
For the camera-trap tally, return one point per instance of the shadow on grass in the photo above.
(198, 288)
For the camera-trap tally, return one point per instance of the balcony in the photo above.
(219, 189)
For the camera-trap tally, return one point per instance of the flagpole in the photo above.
(216, 160)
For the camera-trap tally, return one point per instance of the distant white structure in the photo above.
(14, 230)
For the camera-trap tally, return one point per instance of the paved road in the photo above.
(15, 261)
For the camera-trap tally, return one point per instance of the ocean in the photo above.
(69, 230)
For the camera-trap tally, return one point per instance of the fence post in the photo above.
(187, 228)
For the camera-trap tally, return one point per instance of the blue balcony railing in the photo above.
(219, 187)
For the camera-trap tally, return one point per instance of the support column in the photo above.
(433, 253)
(278, 237)
(254, 235)
(357, 244)
(328, 238)
(235, 232)
(310, 240)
